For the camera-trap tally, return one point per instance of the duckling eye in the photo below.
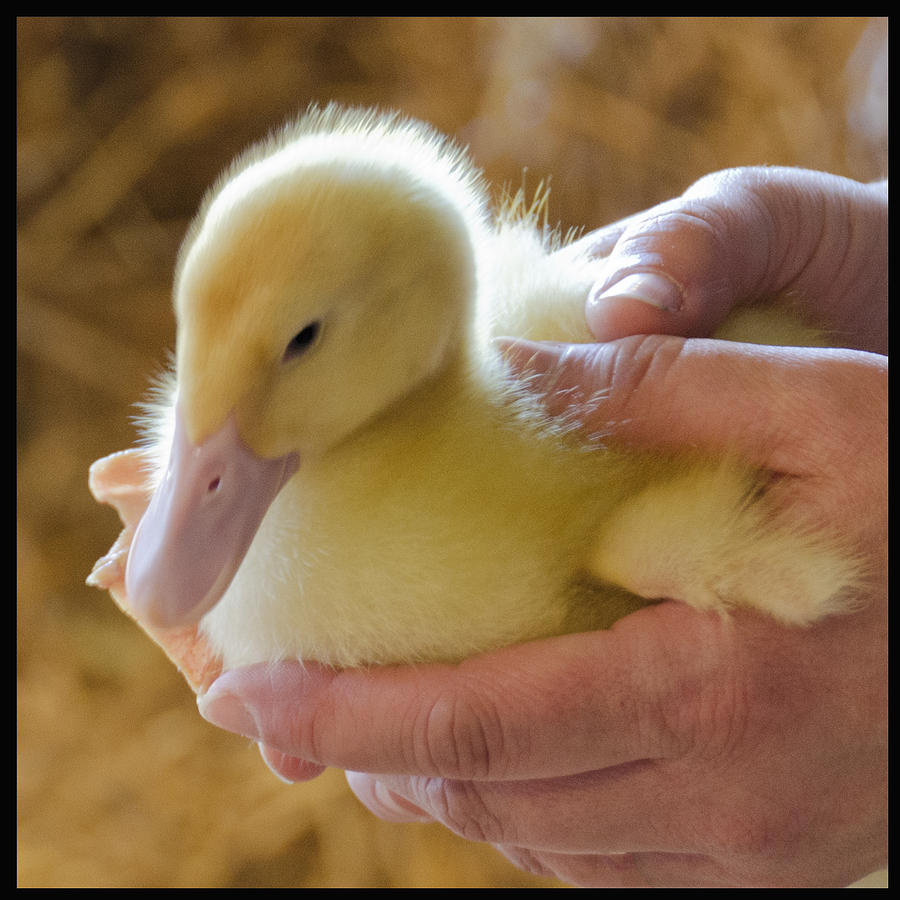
(302, 341)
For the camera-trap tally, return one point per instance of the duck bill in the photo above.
(199, 525)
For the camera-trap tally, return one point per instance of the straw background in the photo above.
(121, 125)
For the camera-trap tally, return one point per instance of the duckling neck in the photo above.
(471, 387)
(470, 418)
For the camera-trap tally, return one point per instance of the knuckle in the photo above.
(462, 737)
(461, 807)
(639, 365)
(711, 717)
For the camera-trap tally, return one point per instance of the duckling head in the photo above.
(321, 284)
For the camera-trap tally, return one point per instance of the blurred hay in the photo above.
(122, 123)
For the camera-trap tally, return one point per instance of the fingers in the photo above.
(121, 481)
(748, 236)
(544, 709)
(383, 802)
(635, 825)
(589, 870)
(289, 768)
(783, 409)
(601, 812)
(665, 275)
(679, 267)
(671, 870)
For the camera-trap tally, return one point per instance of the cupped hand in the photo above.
(745, 236)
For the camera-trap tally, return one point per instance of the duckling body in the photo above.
(450, 526)
(336, 303)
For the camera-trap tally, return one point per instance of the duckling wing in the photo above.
(709, 536)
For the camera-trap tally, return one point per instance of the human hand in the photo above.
(746, 236)
(123, 481)
(677, 748)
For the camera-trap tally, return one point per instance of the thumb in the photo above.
(740, 236)
(781, 408)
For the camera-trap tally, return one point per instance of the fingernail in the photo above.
(384, 802)
(648, 287)
(289, 768)
(229, 712)
(276, 761)
(399, 806)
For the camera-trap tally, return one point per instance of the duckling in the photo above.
(345, 470)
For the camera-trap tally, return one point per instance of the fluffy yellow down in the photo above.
(437, 511)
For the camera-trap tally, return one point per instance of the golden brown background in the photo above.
(122, 124)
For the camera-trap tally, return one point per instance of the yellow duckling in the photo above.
(346, 470)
